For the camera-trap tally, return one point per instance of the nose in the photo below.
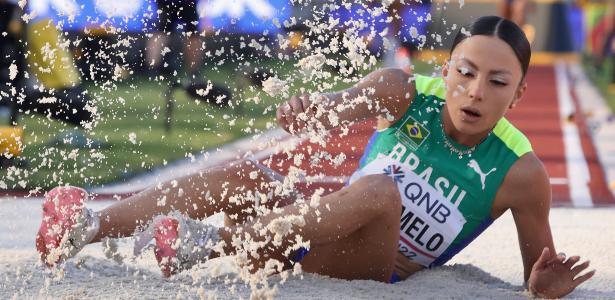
(476, 89)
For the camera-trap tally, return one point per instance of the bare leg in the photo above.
(504, 9)
(198, 195)
(193, 54)
(395, 12)
(354, 235)
(518, 12)
(154, 49)
(515, 10)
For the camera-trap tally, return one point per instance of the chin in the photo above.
(469, 128)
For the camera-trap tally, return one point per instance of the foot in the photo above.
(67, 225)
(181, 242)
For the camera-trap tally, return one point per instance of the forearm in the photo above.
(384, 93)
(347, 108)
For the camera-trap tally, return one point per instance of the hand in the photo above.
(294, 115)
(555, 277)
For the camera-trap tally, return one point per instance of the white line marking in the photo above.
(558, 180)
(327, 179)
(256, 147)
(603, 135)
(576, 165)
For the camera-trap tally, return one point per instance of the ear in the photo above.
(518, 94)
(445, 67)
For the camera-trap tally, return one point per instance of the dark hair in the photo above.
(502, 28)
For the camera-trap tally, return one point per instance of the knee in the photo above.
(378, 184)
(381, 192)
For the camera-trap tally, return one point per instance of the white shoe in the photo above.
(180, 242)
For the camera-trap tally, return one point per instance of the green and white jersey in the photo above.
(446, 198)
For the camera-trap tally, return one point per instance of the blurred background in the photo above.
(97, 91)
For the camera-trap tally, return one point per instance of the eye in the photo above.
(465, 72)
(499, 82)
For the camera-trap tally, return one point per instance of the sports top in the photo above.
(446, 197)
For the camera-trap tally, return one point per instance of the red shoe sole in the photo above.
(165, 234)
(59, 208)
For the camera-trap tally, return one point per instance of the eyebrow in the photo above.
(497, 71)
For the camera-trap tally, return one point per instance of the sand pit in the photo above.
(489, 268)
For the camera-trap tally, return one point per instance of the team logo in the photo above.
(394, 172)
(473, 164)
(412, 133)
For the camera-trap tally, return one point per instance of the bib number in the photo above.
(429, 222)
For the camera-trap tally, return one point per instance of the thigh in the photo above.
(504, 8)
(368, 253)
(518, 11)
(263, 174)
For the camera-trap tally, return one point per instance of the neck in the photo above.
(468, 140)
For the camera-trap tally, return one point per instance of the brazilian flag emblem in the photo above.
(412, 133)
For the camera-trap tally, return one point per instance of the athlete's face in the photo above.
(483, 80)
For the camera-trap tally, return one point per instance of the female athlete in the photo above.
(449, 165)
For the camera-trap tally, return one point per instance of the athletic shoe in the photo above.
(180, 242)
(67, 225)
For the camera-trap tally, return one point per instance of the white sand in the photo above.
(488, 268)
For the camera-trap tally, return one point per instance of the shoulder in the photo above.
(430, 86)
(525, 187)
(514, 140)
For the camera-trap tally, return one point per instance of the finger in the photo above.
(583, 277)
(295, 109)
(309, 111)
(307, 103)
(296, 105)
(303, 114)
(288, 114)
(283, 116)
(299, 111)
(578, 269)
(543, 258)
(558, 259)
(281, 119)
(572, 261)
(279, 115)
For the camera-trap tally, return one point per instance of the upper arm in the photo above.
(388, 91)
(526, 191)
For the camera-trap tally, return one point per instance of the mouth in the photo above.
(470, 114)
